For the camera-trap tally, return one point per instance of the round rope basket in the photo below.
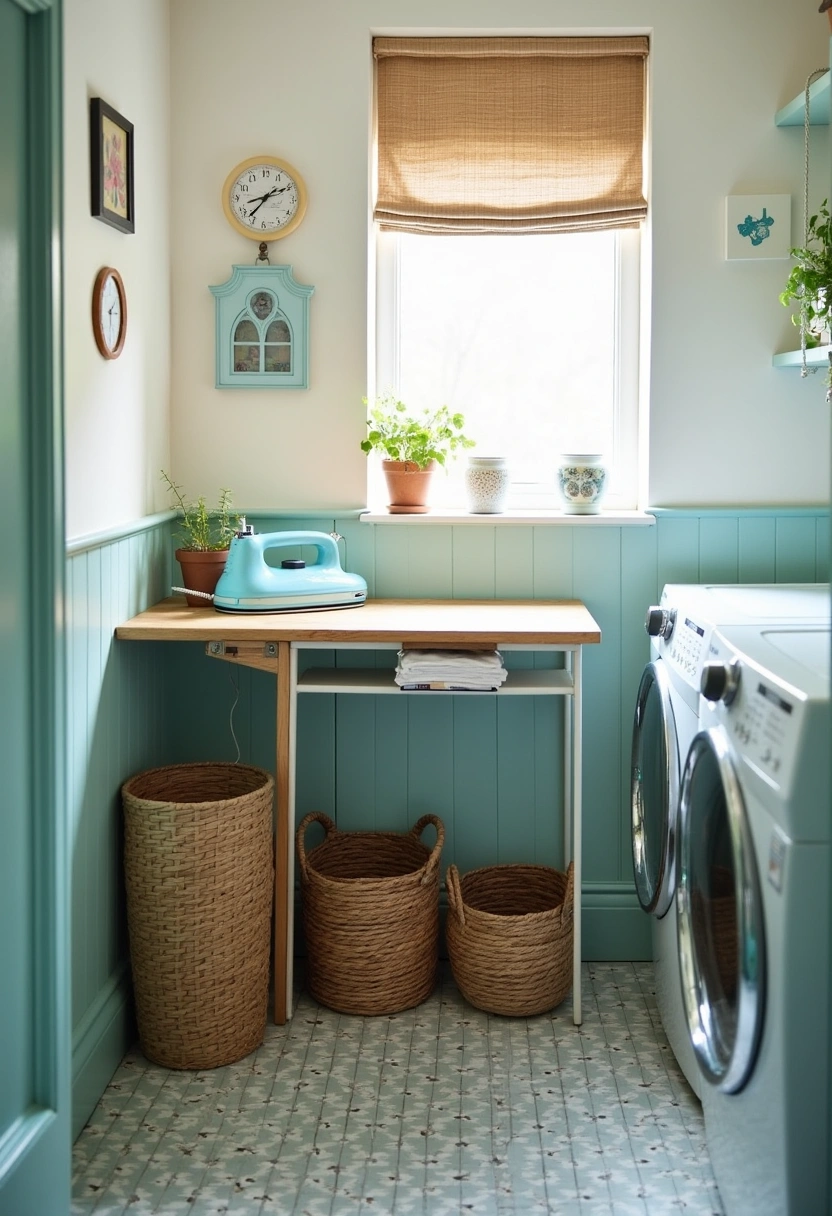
(370, 905)
(198, 863)
(509, 932)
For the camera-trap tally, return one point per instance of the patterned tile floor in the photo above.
(439, 1110)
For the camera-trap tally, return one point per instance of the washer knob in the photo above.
(719, 681)
(660, 622)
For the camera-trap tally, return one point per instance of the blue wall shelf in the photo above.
(791, 115)
(818, 356)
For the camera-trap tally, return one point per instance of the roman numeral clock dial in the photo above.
(264, 198)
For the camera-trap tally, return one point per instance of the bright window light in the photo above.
(534, 338)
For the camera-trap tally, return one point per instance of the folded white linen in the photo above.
(455, 678)
(467, 660)
(447, 686)
(465, 669)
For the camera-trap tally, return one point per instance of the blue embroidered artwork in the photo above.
(757, 230)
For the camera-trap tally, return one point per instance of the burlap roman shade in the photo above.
(510, 134)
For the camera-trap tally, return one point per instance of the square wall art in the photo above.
(111, 166)
(758, 226)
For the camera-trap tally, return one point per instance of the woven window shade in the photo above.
(510, 134)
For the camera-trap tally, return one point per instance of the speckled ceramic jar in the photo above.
(486, 484)
(581, 479)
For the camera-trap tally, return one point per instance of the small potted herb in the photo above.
(411, 447)
(205, 536)
(809, 284)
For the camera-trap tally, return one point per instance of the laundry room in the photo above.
(716, 447)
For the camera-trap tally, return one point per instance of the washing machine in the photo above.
(753, 904)
(665, 721)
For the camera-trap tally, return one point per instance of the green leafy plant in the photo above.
(809, 284)
(419, 438)
(201, 529)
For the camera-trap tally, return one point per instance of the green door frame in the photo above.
(35, 1149)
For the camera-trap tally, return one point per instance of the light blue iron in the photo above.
(249, 584)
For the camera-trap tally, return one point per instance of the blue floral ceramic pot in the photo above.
(581, 479)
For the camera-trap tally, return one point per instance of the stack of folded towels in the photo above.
(451, 670)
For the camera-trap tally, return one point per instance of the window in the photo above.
(525, 315)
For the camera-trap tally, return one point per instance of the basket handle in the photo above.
(454, 893)
(569, 897)
(313, 817)
(432, 863)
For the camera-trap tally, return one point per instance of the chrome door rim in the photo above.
(726, 1069)
(657, 900)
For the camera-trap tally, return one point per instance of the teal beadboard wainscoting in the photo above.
(115, 726)
(491, 769)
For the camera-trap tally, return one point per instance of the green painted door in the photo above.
(34, 951)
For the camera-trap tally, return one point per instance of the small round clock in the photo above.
(109, 312)
(264, 198)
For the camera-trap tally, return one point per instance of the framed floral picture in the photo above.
(111, 166)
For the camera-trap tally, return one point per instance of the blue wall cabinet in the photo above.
(262, 329)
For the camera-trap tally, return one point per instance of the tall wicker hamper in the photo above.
(509, 932)
(198, 862)
(370, 905)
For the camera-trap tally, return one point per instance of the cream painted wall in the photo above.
(295, 80)
(117, 412)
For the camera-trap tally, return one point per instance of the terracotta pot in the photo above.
(408, 486)
(201, 570)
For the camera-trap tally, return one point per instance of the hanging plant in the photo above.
(809, 284)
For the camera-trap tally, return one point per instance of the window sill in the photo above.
(537, 517)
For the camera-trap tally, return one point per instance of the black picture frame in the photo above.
(111, 166)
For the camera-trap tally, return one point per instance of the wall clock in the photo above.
(264, 198)
(109, 312)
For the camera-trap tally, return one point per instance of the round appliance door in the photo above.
(720, 916)
(654, 791)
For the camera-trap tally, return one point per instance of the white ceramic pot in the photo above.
(486, 484)
(581, 479)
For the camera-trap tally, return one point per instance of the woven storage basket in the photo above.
(198, 861)
(509, 932)
(370, 916)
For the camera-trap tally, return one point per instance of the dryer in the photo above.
(753, 916)
(666, 719)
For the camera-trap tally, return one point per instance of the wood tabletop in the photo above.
(412, 623)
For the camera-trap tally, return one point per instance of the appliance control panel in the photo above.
(687, 649)
(763, 721)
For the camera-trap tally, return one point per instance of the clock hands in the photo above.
(112, 321)
(260, 200)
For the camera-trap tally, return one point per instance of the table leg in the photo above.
(577, 740)
(283, 893)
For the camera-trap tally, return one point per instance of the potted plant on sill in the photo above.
(809, 284)
(411, 446)
(205, 536)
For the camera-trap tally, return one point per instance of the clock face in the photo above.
(264, 198)
(109, 312)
